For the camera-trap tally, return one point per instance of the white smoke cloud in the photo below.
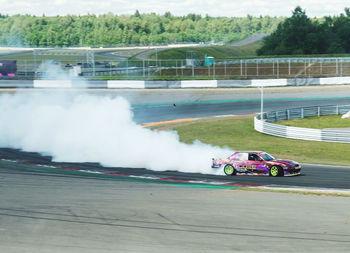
(51, 70)
(84, 128)
(77, 127)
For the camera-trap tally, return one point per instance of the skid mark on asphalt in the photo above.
(229, 231)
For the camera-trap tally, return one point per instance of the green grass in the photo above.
(330, 121)
(238, 133)
(219, 52)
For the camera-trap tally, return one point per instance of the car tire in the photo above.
(229, 170)
(276, 171)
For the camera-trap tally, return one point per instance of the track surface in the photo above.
(155, 113)
(312, 175)
(62, 213)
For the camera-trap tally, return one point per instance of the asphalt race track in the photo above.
(313, 176)
(43, 212)
(165, 112)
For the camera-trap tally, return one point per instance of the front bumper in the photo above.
(292, 171)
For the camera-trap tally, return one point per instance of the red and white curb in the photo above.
(164, 179)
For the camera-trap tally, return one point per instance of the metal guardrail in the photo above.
(267, 127)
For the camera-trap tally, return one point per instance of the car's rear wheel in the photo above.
(276, 171)
(229, 170)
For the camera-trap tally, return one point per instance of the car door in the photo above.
(242, 167)
(256, 164)
(260, 166)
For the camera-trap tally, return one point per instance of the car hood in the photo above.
(285, 162)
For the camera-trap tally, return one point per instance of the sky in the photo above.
(228, 8)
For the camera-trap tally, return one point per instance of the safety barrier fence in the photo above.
(163, 84)
(267, 126)
(123, 67)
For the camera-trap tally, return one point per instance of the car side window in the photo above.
(241, 157)
(253, 157)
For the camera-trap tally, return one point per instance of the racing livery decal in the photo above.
(256, 163)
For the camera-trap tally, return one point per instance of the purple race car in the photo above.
(256, 163)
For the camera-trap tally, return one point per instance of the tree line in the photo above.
(300, 35)
(136, 29)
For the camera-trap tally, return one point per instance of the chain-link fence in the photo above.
(181, 69)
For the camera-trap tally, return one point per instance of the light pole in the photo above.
(261, 88)
(261, 83)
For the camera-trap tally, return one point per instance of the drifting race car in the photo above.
(256, 163)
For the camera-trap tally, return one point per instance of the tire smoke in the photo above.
(73, 127)
(86, 128)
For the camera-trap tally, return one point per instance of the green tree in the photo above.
(109, 29)
(295, 35)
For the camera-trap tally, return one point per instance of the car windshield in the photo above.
(267, 157)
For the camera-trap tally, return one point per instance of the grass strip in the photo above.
(238, 133)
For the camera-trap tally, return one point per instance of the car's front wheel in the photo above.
(229, 170)
(276, 171)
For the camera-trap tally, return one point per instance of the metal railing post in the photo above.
(288, 67)
(176, 67)
(160, 67)
(336, 67)
(241, 68)
(214, 70)
(127, 67)
(341, 67)
(143, 68)
(182, 69)
(225, 69)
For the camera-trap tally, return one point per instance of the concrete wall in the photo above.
(170, 84)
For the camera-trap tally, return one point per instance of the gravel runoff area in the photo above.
(58, 213)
